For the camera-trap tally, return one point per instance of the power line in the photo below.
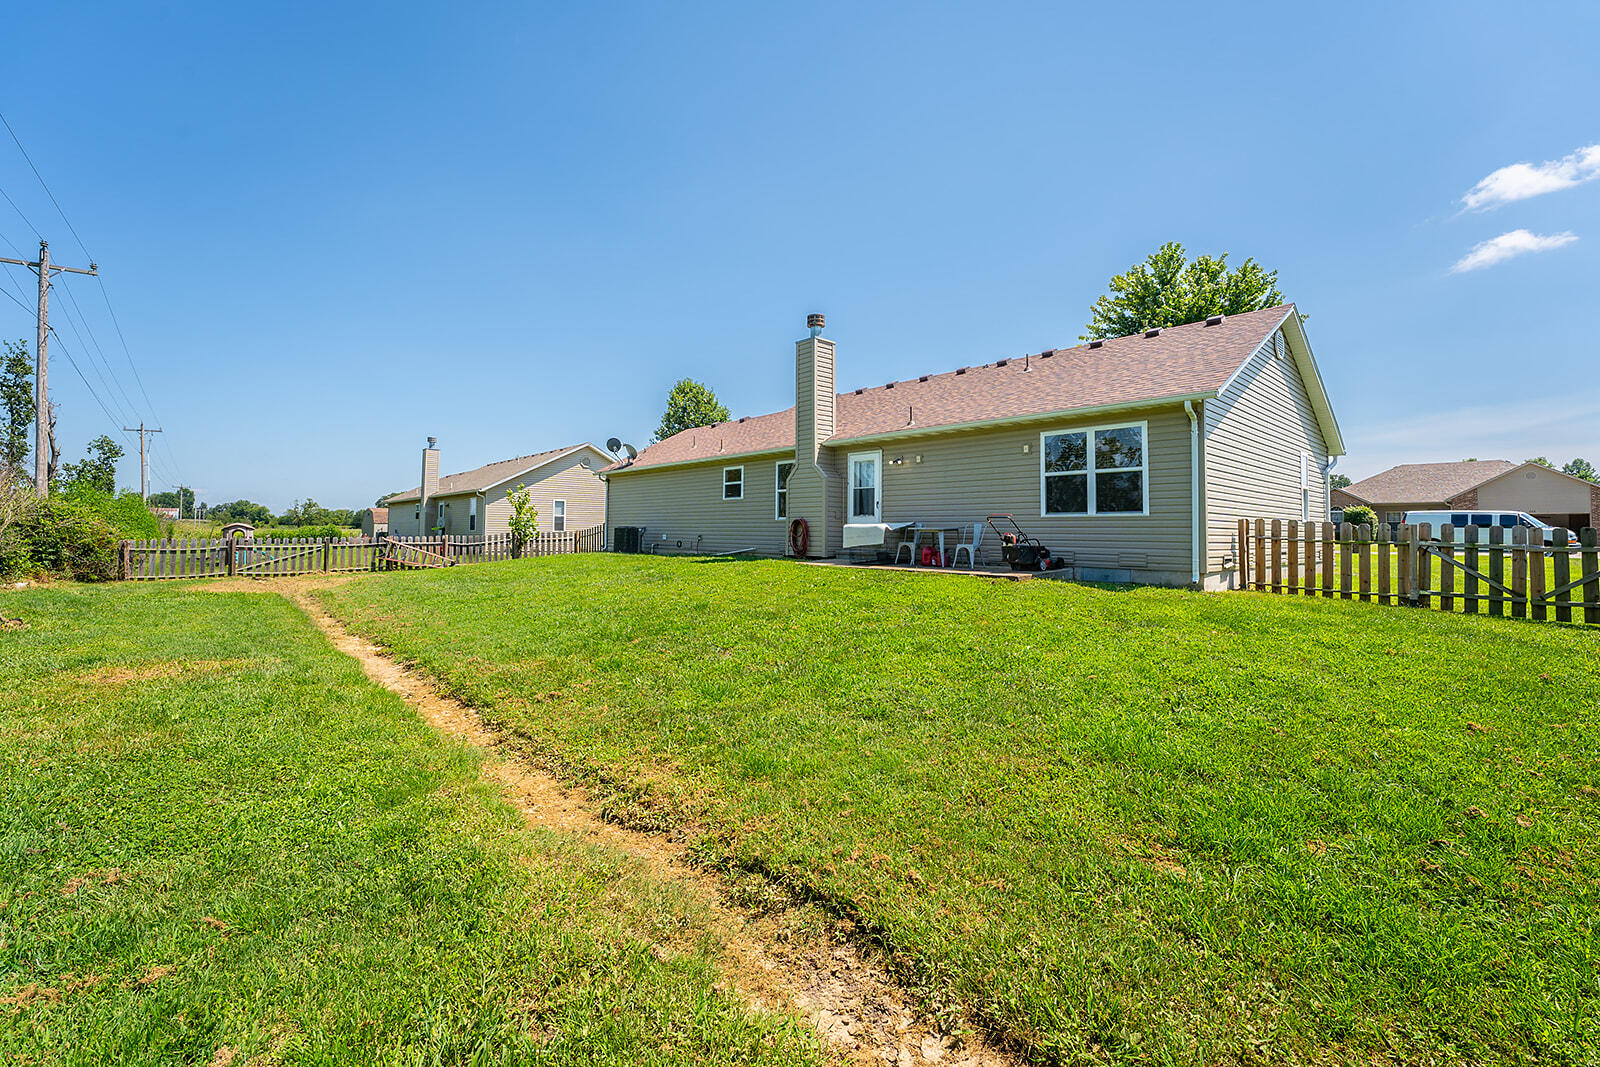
(47, 191)
(104, 294)
(20, 215)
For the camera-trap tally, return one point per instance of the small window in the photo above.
(1458, 518)
(1099, 471)
(1480, 518)
(784, 470)
(558, 515)
(1394, 516)
(472, 513)
(733, 483)
(1510, 520)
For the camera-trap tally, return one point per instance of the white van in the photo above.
(1509, 520)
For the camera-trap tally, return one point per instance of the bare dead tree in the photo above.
(53, 467)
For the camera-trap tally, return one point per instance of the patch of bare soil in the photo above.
(148, 672)
(855, 1007)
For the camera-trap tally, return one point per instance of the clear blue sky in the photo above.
(330, 230)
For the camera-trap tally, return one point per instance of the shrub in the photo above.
(275, 533)
(65, 537)
(1360, 515)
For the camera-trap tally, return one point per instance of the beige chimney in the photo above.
(811, 486)
(430, 482)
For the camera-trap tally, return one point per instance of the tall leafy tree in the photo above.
(1582, 468)
(1339, 481)
(97, 470)
(16, 404)
(690, 404)
(1540, 461)
(1169, 289)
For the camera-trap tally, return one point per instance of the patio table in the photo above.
(918, 529)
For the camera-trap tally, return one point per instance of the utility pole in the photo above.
(41, 361)
(144, 466)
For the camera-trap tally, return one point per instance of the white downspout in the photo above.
(1327, 489)
(1194, 493)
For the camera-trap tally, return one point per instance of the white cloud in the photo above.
(1522, 180)
(1507, 246)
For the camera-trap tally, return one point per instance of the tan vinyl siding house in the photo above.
(563, 485)
(1492, 485)
(1264, 453)
(1176, 435)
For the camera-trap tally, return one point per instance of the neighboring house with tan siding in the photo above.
(563, 484)
(1133, 458)
(1550, 496)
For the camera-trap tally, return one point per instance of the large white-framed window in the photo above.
(472, 514)
(865, 497)
(1096, 470)
(780, 507)
(733, 483)
(558, 515)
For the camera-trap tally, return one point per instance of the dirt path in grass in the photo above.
(856, 1008)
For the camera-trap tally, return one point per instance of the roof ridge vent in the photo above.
(1215, 320)
(1097, 343)
(1155, 332)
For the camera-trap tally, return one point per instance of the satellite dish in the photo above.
(613, 445)
(633, 453)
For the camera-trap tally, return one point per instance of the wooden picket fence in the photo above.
(237, 557)
(1488, 573)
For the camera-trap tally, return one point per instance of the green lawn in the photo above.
(218, 839)
(1141, 825)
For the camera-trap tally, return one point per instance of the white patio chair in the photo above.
(908, 542)
(970, 547)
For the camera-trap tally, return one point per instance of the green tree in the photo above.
(690, 404)
(1582, 468)
(16, 404)
(241, 511)
(1541, 461)
(1339, 481)
(97, 470)
(1169, 289)
(524, 520)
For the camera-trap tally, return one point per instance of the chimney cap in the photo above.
(816, 319)
(432, 441)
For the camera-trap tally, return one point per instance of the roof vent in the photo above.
(744, 418)
(961, 370)
(860, 391)
(889, 386)
(1097, 344)
(1153, 333)
(1001, 362)
(1047, 353)
(923, 378)
(1215, 320)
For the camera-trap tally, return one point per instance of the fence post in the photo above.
(1563, 573)
(124, 556)
(327, 550)
(1591, 574)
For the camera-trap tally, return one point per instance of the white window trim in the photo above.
(850, 490)
(1090, 472)
(732, 499)
(779, 491)
(472, 514)
(553, 516)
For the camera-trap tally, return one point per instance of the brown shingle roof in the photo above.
(1418, 483)
(1181, 361)
(487, 475)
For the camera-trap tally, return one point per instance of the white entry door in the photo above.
(866, 493)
